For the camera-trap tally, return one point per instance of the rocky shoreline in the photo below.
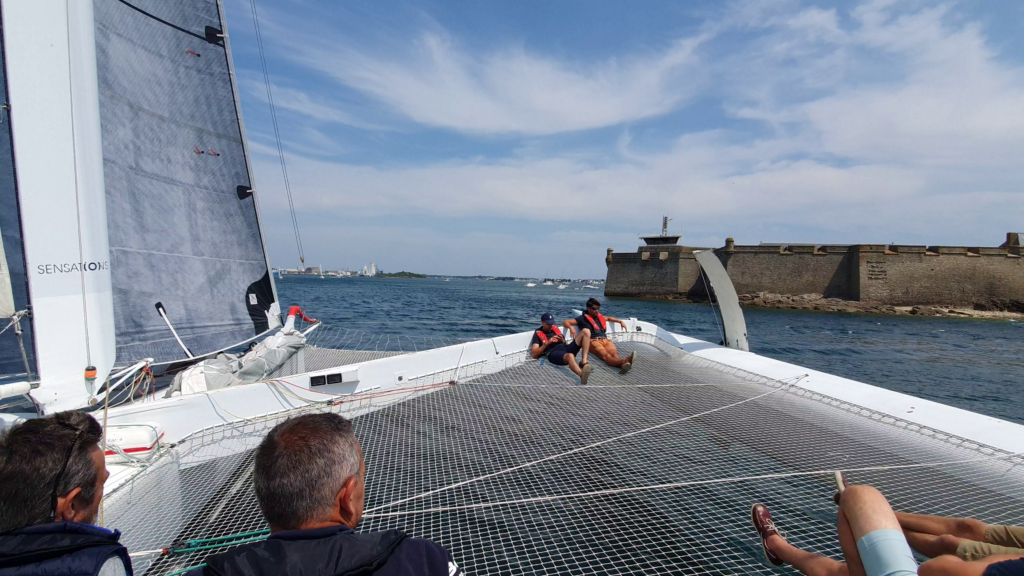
(991, 309)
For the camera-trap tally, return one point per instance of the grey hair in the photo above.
(301, 466)
(31, 456)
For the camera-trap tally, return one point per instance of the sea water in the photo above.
(977, 365)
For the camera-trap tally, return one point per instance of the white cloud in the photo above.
(512, 90)
(879, 124)
(315, 108)
(903, 89)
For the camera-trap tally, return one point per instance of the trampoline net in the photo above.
(519, 469)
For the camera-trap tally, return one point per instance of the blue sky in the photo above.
(525, 138)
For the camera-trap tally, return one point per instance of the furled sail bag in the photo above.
(230, 370)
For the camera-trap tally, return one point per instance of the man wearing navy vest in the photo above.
(548, 341)
(52, 472)
(308, 479)
(593, 325)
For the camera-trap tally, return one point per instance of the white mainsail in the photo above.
(138, 214)
(50, 65)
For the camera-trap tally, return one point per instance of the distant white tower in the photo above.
(365, 272)
(373, 269)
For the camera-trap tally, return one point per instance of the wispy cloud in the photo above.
(885, 122)
(317, 108)
(511, 90)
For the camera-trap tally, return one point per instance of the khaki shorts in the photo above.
(998, 540)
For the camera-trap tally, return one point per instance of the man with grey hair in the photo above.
(308, 479)
(52, 472)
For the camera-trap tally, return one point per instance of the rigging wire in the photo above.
(277, 133)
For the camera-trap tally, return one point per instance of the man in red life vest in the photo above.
(548, 340)
(592, 325)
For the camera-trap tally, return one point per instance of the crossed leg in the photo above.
(582, 340)
(862, 510)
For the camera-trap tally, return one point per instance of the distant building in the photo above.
(373, 269)
(664, 239)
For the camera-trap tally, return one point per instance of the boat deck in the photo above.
(525, 471)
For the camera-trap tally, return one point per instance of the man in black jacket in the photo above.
(52, 472)
(308, 479)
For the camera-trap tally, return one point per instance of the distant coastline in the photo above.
(401, 275)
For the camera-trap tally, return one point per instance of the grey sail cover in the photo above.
(183, 224)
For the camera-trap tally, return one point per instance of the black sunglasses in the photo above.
(63, 468)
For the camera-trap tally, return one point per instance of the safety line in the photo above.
(682, 485)
(573, 451)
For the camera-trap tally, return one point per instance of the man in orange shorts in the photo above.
(591, 323)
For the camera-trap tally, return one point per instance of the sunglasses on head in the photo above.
(64, 466)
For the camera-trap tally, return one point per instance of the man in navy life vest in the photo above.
(308, 477)
(593, 325)
(52, 472)
(548, 340)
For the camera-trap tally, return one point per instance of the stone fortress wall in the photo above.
(894, 275)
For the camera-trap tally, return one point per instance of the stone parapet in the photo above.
(889, 274)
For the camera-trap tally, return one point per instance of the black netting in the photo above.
(519, 469)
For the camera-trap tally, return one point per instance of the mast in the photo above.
(50, 57)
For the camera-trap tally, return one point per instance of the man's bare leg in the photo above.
(583, 341)
(806, 562)
(937, 535)
(967, 528)
(862, 509)
(570, 360)
(931, 545)
(583, 372)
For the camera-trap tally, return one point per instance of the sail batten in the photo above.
(174, 161)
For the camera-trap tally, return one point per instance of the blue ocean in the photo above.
(977, 365)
